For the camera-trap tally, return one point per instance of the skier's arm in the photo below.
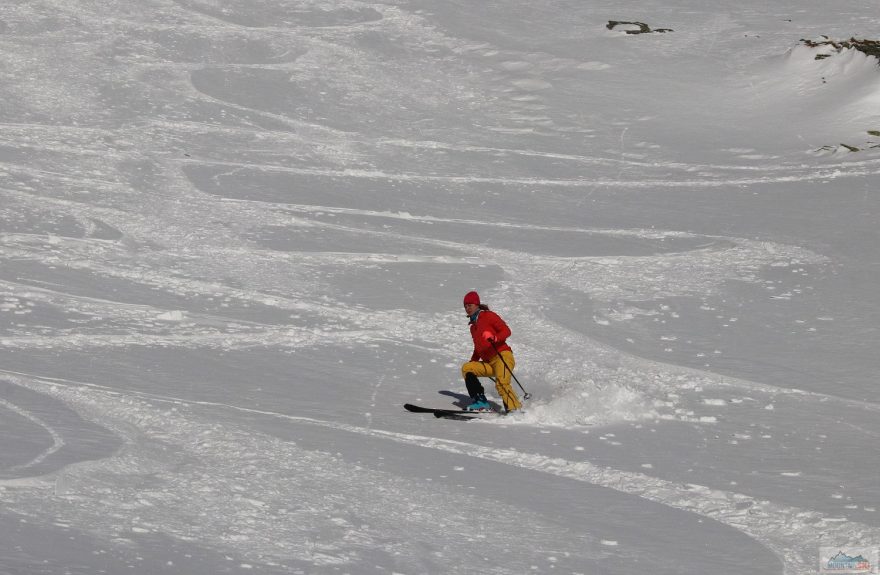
(502, 332)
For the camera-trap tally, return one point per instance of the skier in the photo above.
(492, 357)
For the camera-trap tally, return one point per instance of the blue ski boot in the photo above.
(480, 403)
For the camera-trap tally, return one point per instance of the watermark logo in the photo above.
(848, 559)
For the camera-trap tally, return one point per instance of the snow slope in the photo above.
(236, 234)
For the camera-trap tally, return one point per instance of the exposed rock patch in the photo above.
(636, 27)
(869, 47)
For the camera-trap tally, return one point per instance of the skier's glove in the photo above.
(489, 336)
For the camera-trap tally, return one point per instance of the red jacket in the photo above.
(492, 322)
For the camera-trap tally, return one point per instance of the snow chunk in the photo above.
(175, 315)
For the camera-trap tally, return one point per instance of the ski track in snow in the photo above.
(57, 438)
(843, 170)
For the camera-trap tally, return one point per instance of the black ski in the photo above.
(448, 413)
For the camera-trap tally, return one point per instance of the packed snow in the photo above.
(236, 235)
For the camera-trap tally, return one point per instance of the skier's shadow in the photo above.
(461, 400)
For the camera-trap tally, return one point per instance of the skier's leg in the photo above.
(502, 380)
(472, 371)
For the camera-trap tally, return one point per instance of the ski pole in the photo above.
(526, 394)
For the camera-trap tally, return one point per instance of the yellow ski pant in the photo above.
(495, 368)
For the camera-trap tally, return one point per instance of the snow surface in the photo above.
(236, 234)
